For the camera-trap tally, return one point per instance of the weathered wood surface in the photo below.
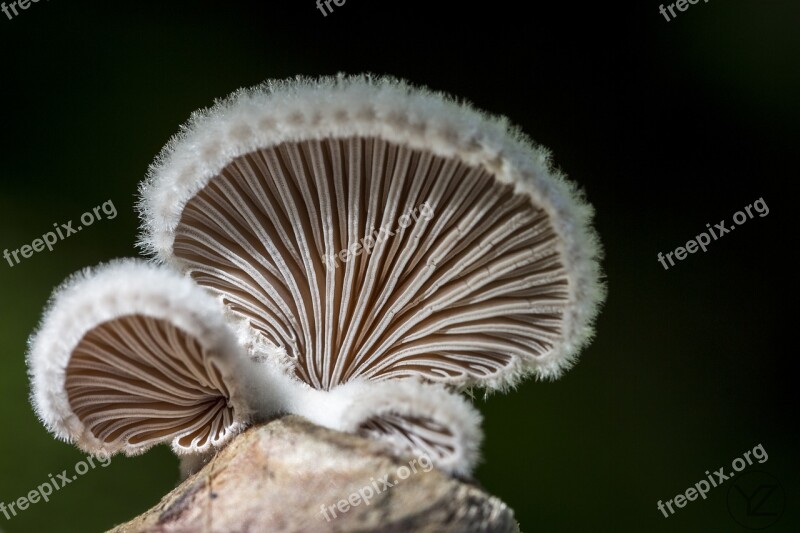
(278, 476)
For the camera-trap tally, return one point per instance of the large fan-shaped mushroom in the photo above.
(267, 198)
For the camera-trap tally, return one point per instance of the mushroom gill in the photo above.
(417, 434)
(136, 381)
(366, 258)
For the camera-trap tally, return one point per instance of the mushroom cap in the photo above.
(129, 355)
(267, 197)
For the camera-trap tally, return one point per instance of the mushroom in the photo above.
(350, 249)
(130, 355)
(359, 230)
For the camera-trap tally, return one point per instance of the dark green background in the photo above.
(667, 125)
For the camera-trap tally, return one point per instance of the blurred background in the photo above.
(667, 126)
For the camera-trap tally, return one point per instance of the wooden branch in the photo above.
(290, 475)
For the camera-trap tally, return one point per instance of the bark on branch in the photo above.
(278, 476)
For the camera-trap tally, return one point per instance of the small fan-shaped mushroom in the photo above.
(130, 355)
(373, 231)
